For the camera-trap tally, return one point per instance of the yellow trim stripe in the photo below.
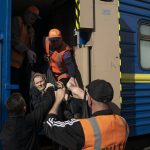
(120, 99)
(76, 1)
(120, 75)
(119, 39)
(79, 6)
(120, 88)
(118, 3)
(119, 15)
(135, 78)
(119, 26)
(120, 62)
(119, 50)
(77, 25)
(77, 13)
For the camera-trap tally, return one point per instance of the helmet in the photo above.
(33, 9)
(54, 33)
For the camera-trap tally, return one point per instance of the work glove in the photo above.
(48, 85)
(31, 56)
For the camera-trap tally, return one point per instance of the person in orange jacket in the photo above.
(23, 54)
(60, 57)
(103, 130)
(63, 67)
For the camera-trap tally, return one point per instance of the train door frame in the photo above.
(5, 33)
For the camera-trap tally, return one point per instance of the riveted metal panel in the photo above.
(105, 62)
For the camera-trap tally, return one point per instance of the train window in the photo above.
(144, 40)
(145, 30)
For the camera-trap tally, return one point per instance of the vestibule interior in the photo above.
(54, 14)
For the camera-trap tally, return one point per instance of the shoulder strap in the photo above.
(85, 112)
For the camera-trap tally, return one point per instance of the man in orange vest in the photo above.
(104, 130)
(23, 48)
(62, 66)
(60, 57)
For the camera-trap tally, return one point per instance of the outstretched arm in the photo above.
(76, 91)
(63, 131)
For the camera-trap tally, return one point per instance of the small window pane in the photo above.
(145, 30)
(145, 54)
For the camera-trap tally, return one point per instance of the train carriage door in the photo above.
(5, 23)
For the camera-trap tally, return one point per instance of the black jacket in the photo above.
(37, 96)
(68, 133)
(20, 132)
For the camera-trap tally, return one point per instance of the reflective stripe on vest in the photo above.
(56, 63)
(59, 62)
(104, 132)
(96, 133)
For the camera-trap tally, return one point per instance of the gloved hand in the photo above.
(48, 85)
(31, 56)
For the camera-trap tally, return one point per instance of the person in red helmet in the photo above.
(62, 67)
(23, 49)
(60, 56)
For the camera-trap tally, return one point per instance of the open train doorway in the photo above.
(53, 14)
(59, 14)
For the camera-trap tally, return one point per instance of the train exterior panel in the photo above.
(135, 64)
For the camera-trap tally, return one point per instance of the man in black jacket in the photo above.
(39, 87)
(20, 132)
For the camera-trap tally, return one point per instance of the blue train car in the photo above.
(135, 66)
(135, 58)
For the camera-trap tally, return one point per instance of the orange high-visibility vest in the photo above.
(56, 63)
(104, 132)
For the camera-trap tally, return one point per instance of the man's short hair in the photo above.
(15, 104)
(38, 75)
(101, 91)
